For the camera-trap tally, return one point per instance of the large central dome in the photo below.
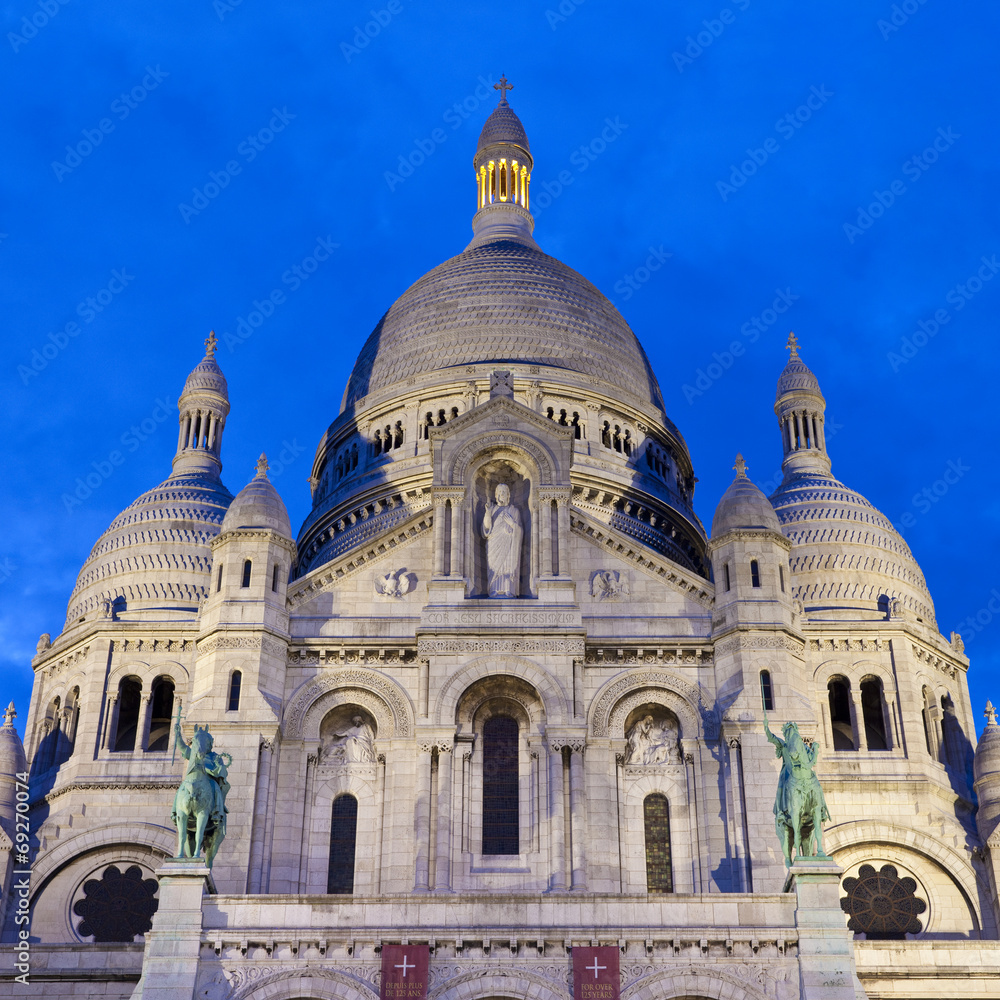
(502, 302)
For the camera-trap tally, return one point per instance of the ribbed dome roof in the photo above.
(743, 505)
(796, 377)
(503, 126)
(502, 302)
(258, 505)
(844, 552)
(207, 375)
(156, 552)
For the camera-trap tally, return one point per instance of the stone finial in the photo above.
(740, 466)
(211, 343)
(503, 86)
(262, 466)
(11, 714)
(990, 713)
(44, 642)
(793, 346)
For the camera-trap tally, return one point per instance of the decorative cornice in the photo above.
(266, 643)
(767, 641)
(611, 655)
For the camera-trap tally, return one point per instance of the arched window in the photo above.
(218, 581)
(160, 713)
(343, 841)
(840, 714)
(656, 816)
(247, 567)
(501, 821)
(766, 691)
(873, 712)
(754, 573)
(235, 683)
(129, 699)
(274, 577)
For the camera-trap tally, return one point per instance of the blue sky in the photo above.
(176, 165)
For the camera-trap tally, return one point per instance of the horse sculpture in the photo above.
(799, 807)
(200, 803)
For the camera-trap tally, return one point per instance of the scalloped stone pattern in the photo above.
(156, 552)
(502, 303)
(844, 549)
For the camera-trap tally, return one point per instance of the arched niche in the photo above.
(516, 476)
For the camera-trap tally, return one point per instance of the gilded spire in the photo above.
(740, 466)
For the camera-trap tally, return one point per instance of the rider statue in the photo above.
(200, 803)
(799, 807)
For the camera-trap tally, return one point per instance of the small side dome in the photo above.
(987, 761)
(12, 762)
(743, 506)
(258, 505)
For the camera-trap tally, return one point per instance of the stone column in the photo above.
(557, 831)
(143, 722)
(577, 799)
(440, 504)
(562, 541)
(173, 943)
(457, 548)
(265, 757)
(545, 536)
(442, 866)
(826, 947)
(422, 819)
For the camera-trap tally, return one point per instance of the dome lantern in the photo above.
(503, 166)
(204, 406)
(800, 408)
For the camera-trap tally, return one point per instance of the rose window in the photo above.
(881, 904)
(116, 907)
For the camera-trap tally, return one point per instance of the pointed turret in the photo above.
(503, 166)
(800, 408)
(12, 763)
(204, 406)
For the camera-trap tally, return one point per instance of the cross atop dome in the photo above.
(990, 713)
(793, 346)
(503, 86)
(211, 343)
(262, 466)
(740, 466)
(11, 714)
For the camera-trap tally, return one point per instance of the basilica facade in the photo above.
(502, 698)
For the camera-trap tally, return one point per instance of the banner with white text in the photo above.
(595, 973)
(404, 971)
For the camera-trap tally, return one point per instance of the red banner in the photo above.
(595, 973)
(404, 971)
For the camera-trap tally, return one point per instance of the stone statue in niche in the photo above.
(503, 531)
(355, 745)
(650, 742)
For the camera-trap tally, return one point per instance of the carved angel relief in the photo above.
(610, 585)
(394, 585)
